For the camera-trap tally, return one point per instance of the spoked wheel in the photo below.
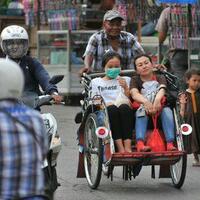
(178, 171)
(93, 152)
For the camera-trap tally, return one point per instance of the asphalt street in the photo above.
(141, 188)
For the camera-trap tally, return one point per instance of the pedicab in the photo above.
(97, 152)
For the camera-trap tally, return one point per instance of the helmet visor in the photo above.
(16, 48)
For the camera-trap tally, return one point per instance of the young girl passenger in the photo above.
(148, 89)
(190, 111)
(109, 87)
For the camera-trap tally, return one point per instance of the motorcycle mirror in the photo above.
(56, 79)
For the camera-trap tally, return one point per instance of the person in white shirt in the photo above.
(111, 87)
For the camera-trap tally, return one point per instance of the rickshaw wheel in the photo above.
(178, 172)
(93, 152)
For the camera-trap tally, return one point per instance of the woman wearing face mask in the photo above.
(109, 87)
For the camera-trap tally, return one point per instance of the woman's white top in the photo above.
(108, 89)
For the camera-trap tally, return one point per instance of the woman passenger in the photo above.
(148, 89)
(109, 87)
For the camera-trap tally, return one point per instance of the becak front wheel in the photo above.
(93, 152)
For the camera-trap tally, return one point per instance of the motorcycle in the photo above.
(54, 140)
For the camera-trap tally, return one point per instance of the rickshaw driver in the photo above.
(110, 38)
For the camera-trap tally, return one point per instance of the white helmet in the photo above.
(14, 41)
(11, 79)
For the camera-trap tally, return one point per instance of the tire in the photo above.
(178, 172)
(93, 152)
(51, 183)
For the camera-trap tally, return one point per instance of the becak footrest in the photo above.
(147, 158)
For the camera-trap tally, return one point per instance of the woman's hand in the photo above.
(148, 106)
(156, 106)
(122, 83)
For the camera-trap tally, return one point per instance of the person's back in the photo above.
(22, 152)
(23, 139)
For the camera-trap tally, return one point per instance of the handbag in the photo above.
(155, 138)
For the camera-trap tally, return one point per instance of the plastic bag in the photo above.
(122, 99)
(135, 105)
(155, 139)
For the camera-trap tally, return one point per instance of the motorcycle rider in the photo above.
(23, 140)
(14, 43)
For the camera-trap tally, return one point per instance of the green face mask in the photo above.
(113, 72)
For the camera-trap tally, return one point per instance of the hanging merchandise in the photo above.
(29, 12)
(153, 12)
(62, 14)
(134, 9)
(142, 10)
(59, 14)
(121, 6)
(184, 24)
(42, 12)
(63, 19)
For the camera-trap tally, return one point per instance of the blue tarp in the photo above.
(179, 1)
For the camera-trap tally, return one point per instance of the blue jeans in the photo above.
(167, 125)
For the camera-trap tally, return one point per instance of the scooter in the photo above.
(49, 165)
(50, 162)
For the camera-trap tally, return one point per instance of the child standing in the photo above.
(190, 111)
